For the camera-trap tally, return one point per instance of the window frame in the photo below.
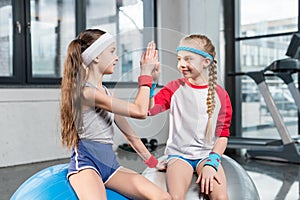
(22, 65)
(232, 49)
(18, 38)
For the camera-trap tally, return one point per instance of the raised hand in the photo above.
(149, 59)
(156, 72)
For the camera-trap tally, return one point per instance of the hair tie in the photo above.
(79, 41)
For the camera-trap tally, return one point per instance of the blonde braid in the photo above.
(210, 101)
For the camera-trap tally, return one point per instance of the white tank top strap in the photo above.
(88, 84)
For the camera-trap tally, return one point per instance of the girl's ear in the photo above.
(206, 63)
(96, 60)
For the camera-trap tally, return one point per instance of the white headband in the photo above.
(96, 48)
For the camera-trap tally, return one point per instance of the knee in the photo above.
(165, 196)
(161, 196)
(177, 197)
(219, 197)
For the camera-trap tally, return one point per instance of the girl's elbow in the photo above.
(140, 115)
(144, 116)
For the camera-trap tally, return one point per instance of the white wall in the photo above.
(29, 124)
(177, 18)
(29, 120)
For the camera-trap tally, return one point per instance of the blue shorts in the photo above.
(193, 163)
(94, 155)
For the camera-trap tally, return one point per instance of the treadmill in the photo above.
(285, 149)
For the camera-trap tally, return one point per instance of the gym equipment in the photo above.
(239, 183)
(151, 145)
(126, 147)
(51, 183)
(284, 69)
(286, 149)
(293, 50)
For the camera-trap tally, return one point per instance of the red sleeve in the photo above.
(225, 114)
(162, 99)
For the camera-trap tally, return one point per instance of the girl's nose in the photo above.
(181, 64)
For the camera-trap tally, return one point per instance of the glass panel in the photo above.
(6, 38)
(267, 17)
(52, 28)
(125, 20)
(257, 54)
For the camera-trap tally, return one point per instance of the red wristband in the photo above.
(145, 80)
(151, 162)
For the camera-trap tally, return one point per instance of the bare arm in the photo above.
(137, 109)
(132, 138)
(151, 103)
(220, 145)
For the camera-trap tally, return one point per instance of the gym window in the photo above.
(263, 31)
(35, 35)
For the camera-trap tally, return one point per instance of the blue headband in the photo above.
(197, 51)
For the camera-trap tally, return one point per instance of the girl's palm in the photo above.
(149, 59)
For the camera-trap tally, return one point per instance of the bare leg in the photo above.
(219, 190)
(135, 186)
(179, 177)
(88, 185)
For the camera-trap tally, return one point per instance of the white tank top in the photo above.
(97, 123)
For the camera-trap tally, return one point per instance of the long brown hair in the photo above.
(71, 87)
(204, 43)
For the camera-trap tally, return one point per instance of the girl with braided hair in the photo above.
(88, 112)
(200, 117)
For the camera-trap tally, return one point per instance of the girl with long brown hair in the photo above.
(88, 112)
(200, 117)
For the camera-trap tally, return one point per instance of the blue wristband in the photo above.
(213, 160)
(152, 89)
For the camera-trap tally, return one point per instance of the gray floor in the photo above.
(274, 180)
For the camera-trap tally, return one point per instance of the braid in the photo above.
(210, 101)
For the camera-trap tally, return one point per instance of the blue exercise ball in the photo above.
(51, 184)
